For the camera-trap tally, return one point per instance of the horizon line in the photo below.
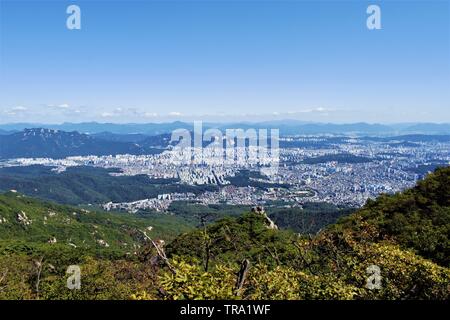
(229, 122)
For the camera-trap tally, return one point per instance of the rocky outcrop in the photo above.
(103, 243)
(52, 240)
(23, 219)
(269, 223)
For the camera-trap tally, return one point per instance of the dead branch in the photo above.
(38, 275)
(241, 276)
(2, 278)
(161, 253)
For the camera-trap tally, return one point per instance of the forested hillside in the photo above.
(47, 143)
(83, 185)
(34, 225)
(403, 237)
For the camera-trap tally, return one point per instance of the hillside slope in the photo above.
(418, 218)
(403, 239)
(48, 143)
(36, 223)
(404, 236)
(84, 184)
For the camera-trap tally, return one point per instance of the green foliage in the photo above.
(15, 274)
(101, 279)
(397, 233)
(82, 185)
(309, 219)
(230, 240)
(418, 218)
(198, 213)
(247, 178)
(108, 272)
(25, 277)
(336, 268)
(404, 274)
(405, 235)
(76, 227)
(191, 282)
(285, 283)
(341, 158)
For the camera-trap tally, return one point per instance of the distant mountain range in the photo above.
(98, 128)
(287, 127)
(35, 143)
(3, 132)
(51, 143)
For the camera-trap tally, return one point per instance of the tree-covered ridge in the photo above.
(82, 185)
(417, 219)
(41, 142)
(235, 239)
(34, 222)
(404, 236)
(283, 265)
(311, 218)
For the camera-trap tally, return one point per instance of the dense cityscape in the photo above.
(342, 171)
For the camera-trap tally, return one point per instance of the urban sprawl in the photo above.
(347, 172)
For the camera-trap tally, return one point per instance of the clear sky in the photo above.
(151, 61)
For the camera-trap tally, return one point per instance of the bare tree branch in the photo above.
(241, 276)
(3, 277)
(38, 264)
(161, 253)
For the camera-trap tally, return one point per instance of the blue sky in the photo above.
(152, 61)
